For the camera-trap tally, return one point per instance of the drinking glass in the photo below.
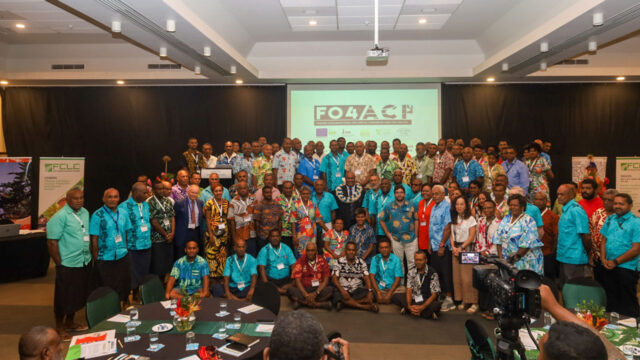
(547, 318)
(133, 314)
(130, 328)
(222, 330)
(153, 339)
(223, 305)
(174, 303)
(614, 317)
(237, 316)
(190, 337)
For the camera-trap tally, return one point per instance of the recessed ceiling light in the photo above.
(313, 22)
(120, 82)
(491, 79)
(422, 21)
(20, 26)
(239, 81)
(621, 78)
(4, 82)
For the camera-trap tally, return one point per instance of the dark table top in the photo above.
(174, 343)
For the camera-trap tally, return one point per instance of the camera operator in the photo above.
(571, 338)
(297, 335)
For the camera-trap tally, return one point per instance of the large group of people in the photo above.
(348, 227)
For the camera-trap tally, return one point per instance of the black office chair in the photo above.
(479, 342)
(267, 296)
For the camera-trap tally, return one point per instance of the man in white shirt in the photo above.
(209, 159)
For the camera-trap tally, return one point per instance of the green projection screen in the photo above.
(410, 112)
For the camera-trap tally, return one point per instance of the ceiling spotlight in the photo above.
(505, 66)
(598, 19)
(20, 25)
(116, 26)
(207, 51)
(621, 78)
(313, 22)
(233, 69)
(593, 45)
(543, 66)
(239, 81)
(544, 46)
(196, 70)
(491, 79)
(422, 21)
(171, 25)
(120, 82)
(163, 52)
(4, 82)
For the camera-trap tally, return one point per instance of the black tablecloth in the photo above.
(23, 257)
(174, 344)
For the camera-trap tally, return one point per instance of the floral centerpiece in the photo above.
(186, 306)
(593, 314)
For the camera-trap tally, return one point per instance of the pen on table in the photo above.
(120, 342)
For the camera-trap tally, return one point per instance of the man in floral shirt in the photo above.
(350, 277)
(443, 164)
(287, 204)
(285, 163)
(262, 166)
(311, 275)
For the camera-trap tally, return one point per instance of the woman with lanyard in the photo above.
(463, 234)
(539, 171)
(424, 214)
(305, 214)
(517, 237)
(334, 242)
(491, 171)
(217, 235)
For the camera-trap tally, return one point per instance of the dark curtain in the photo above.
(579, 119)
(125, 131)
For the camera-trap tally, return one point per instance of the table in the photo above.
(174, 342)
(24, 256)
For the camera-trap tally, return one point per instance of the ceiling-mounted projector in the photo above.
(378, 55)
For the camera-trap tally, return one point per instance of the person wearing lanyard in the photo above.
(361, 164)
(517, 172)
(363, 236)
(188, 215)
(352, 282)
(424, 214)
(574, 238)
(305, 216)
(423, 287)
(68, 243)
(491, 170)
(192, 159)
(399, 221)
(285, 163)
(332, 167)
(163, 230)
(309, 167)
(349, 197)
(439, 244)
(286, 202)
(424, 164)
(217, 234)
(327, 205)
(240, 218)
(385, 272)
(191, 272)
(384, 197)
(311, 275)
(386, 166)
(108, 230)
(240, 275)
(275, 263)
(467, 170)
(619, 253)
(416, 190)
(334, 242)
(371, 195)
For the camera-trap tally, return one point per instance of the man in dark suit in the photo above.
(189, 218)
(349, 196)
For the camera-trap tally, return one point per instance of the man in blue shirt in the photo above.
(240, 275)
(385, 273)
(399, 221)
(371, 194)
(467, 170)
(416, 189)
(191, 272)
(517, 172)
(574, 237)
(620, 248)
(138, 236)
(275, 262)
(309, 167)
(68, 243)
(108, 229)
(332, 166)
(398, 178)
(325, 201)
(440, 246)
(384, 197)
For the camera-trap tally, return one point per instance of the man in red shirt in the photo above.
(550, 236)
(311, 274)
(590, 200)
(424, 214)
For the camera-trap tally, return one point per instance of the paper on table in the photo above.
(225, 350)
(93, 345)
(120, 318)
(526, 339)
(98, 349)
(190, 357)
(166, 304)
(630, 322)
(267, 328)
(249, 309)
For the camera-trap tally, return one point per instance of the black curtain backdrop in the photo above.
(602, 119)
(125, 131)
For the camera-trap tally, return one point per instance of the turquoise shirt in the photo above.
(400, 220)
(111, 229)
(326, 205)
(333, 168)
(466, 173)
(381, 201)
(272, 258)
(621, 233)
(573, 222)
(189, 274)
(440, 218)
(240, 271)
(139, 235)
(207, 194)
(416, 200)
(534, 212)
(386, 272)
(71, 230)
(370, 199)
(408, 194)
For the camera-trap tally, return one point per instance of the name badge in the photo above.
(195, 273)
(315, 177)
(118, 238)
(222, 226)
(241, 285)
(419, 176)
(280, 266)
(382, 284)
(338, 175)
(85, 238)
(166, 222)
(418, 298)
(358, 172)
(143, 228)
(191, 226)
(423, 223)
(308, 226)
(465, 179)
(315, 282)
(247, 218)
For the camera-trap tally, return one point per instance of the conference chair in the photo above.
(267, 296)
(479, 342)
(576, 290)
(151, 290)
(102, 304)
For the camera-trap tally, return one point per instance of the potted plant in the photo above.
(186, 306)
(593, 314)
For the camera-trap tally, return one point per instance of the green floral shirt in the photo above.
(288, 206)
(261, 167)
(385, 170)
(160, 209)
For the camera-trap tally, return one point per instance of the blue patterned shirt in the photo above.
(111, 229)
(333, 168)
(465, 173)
(362, 237)
(189, 274)
(573, 222)
(139, 235)
(440, 218)
(400, 220)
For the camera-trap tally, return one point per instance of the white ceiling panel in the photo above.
(431, 19)
(426, 10)
(310, 11)
(304, 21)
(417, 26)
(307, 3)
(433, 3)
(315, 28)
(368, 10)
(363, 20)
(363, 27)
(368, 2)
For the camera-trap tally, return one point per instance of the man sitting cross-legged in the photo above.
(191, 272)
(311, 275)
(349, 277)
(240, 275)
(275, 262)
(386, 272)
(423, 287)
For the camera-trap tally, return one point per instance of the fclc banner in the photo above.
(15, 190)
(57, 176)
(628, 176)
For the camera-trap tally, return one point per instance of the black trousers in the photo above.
(442, 265)
(71, 289)
(551, 266)
(356, 294)
(296, 295)
(400, 299)
(620, 285)
(116, 274)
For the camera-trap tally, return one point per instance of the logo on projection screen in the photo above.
(362, 115)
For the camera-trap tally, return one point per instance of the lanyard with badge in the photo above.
(533, 165)
(165, 221)
(118, 237)
(314, 282)
(246, 217)
(85, 236)
(241, 284)
(337, 161)
(511, 225)
(423, 219)
(143, 226)
(466, 171)
(279, 265)
(417, 296)
(314, 167)
(382, 283)
(222, 225)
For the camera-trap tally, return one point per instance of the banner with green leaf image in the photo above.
(15, 190)
(57, 176)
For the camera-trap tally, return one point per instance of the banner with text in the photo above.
(15, 190)
(579, 167)
(628, 176)
(57, 176)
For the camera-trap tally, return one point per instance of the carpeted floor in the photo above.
(387, 335)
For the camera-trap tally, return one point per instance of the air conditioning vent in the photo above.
(164, 66)
(67, 67)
